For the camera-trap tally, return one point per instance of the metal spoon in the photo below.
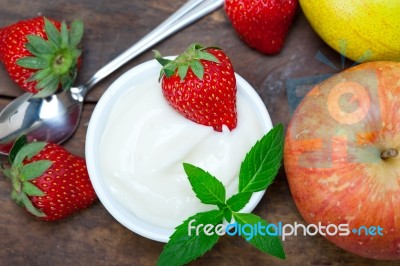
(55, 118)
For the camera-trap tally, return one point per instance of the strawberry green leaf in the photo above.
(40, 45)
(34, 52)
(266, 243)
(193, 47)
(27, 152)
(262, 163)
(15, 196)
(33, 62)
(29, 206)
(160, 59)
(75, 33)
(207, 188)
(17, 146)
(35, 169)
(169, 70)
(197, 68)
(182, 71)
(47, 89)
(40, 75)
(64, 35)
(207, 56)
(52, 33)
(182, 247)
(31, 49)
(66, 82)
(239, 201)
(46, 81)
(189, 59)
(76, 53)
(31, 190)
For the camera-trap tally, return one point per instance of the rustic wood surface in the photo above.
(93, 237)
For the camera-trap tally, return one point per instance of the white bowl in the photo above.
(97, 124)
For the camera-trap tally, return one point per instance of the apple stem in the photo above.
(390, 153)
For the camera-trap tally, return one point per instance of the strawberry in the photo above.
(48, 181)
(40, 54)
(262, 24)
(201, 85)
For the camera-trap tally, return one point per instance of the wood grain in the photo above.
(93, 237)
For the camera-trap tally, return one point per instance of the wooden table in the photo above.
(93, 237)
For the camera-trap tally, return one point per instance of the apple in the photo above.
(342, 159)
(361, 30)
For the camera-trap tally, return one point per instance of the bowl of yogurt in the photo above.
(136, 145)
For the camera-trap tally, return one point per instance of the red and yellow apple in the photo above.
(342, 158)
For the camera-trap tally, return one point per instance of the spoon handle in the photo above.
(191, 11)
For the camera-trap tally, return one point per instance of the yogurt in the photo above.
(145, 142)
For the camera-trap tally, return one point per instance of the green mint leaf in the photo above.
(239, 201)
(31, 190)
(262, 163)
(207, 188)
(35, 169)
(266, 243)
(182, 247)
(227, 213)
(27, 152)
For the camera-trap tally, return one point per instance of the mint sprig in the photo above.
(257, 172)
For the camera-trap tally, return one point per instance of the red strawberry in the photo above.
(262, 24)
(41, 54)
(201, 85)
(48, 181)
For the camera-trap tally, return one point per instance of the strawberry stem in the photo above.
(190, 59)
(21, 173)
(390, 153)
(62, 62)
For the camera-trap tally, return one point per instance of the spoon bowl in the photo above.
(52, 118)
